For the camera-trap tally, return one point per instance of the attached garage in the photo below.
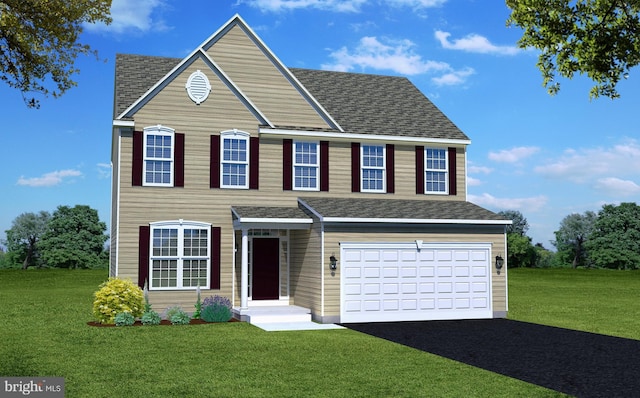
(410, 281)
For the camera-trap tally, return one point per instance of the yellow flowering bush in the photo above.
(116, 296)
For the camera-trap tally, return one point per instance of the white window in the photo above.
(158, 156)
(436, 180)
(306, 166)
(373, 168)
(235, 159)
(180, 255)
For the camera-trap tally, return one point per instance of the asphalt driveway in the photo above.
(572, 362)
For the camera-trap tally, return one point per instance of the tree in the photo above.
(615, 240)
(520, 251)
(39, 40)
(520, 225)
(599, 38)
(575, 230)
(24, 236)
(74, 238)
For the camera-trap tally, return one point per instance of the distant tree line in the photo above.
(71, 237)
(607, 239)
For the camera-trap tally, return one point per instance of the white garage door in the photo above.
(383, 282)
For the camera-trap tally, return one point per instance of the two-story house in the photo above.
(342, 193)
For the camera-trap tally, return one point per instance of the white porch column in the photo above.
(244, 272)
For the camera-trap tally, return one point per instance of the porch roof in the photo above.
(276, 217)
(368, 210)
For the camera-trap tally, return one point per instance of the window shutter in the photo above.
(452, 171)
(420, 169)
(178, 161)
(215, 257)
(324, 165)
(287, 164)
(391, 165)
(214, 162)
(143, 255)
(138, 158)
(355, 167)
(254, 162)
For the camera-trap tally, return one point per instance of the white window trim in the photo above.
(164, 131)
(316, 166)
(383, 168)
(180, 225)
(236, 134)
(446, 172)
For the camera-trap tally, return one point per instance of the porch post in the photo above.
(244, 272)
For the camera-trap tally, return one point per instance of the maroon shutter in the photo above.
(215, 257)
(178, 161)
(324, 165)
(355, 167)
(391, 182)
(138, 158)
(214, 162)
(254, 162)
(452, 171)
(287, 172)
(143, 255)
(420, 169)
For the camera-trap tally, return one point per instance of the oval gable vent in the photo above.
(198, 87)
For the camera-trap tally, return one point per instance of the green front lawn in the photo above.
(43, 316)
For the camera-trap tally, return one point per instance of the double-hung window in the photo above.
(306, 166)
(373, 168)
(436, 178)
(235, 159)
(180, 255)
(158, 156)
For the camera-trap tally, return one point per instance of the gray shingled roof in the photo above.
(293, 213)
(360, 103)
(377, 104)
(369, 208)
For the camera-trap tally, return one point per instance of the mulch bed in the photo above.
(569, 361)
(163, 322)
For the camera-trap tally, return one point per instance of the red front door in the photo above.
(266, 269)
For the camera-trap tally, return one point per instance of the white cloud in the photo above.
(473, 182)
(132, 15)
(473, 43)
(513, 155)
(286, 5)
(529, 204)
(416, 4)
(398, 56)
(104, 170)
(586, 164)
(617, 187)
(48, 179)
(479, 169)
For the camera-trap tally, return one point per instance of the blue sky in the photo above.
(544, 156)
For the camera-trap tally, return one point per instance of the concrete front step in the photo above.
(275, 314)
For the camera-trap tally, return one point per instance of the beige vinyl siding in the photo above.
(306, 269)
(466, 235)
(259, 79)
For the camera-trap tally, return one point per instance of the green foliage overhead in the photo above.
(597, 38)
(39, 43)
(574, 231)
(74, 238)
(521, 252)
(24, 236)
(615, 240)
(520, 225)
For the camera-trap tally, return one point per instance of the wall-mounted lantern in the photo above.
(499, 263)
(333, 262)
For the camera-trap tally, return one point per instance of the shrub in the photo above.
(115, 296)
(124, 319)
(177, 316)
(150, 318)
(216, 309)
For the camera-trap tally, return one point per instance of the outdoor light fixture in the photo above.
(499, 263)
(333, 262)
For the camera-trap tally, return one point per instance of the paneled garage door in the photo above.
(383, 282)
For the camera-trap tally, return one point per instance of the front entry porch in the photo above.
(273, 318)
